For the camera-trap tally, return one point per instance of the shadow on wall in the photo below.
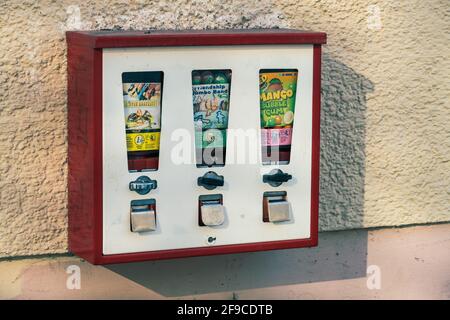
(342, 151)
(340, 255)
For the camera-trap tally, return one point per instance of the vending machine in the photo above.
(188, 143)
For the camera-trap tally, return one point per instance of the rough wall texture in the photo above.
(385, 120)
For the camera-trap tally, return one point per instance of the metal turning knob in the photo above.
(210, 180)
(276, 177)
(143, 185)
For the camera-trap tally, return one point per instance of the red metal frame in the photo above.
(84, 56)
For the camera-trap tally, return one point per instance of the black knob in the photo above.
(210, 180)
(276, 177)
(143, 185)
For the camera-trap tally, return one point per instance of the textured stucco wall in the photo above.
(385, 120)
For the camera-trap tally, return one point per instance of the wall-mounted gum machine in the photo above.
(193, 142)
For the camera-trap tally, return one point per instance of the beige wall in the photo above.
(385, 111)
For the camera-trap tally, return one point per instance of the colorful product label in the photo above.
(143, 141)
(211, 100)
(211, 104)
(142, 106)
(276, 137)
(212, 138)
(277, 98)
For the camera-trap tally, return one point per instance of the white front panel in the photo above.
(177, 193)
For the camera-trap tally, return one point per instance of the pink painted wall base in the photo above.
(404, 263)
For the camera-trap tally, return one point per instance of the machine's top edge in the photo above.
(148, 38)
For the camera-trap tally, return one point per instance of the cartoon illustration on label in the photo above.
(142, 109)
(211, 99)
(278, 89)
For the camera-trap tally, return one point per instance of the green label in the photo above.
(277, 98)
